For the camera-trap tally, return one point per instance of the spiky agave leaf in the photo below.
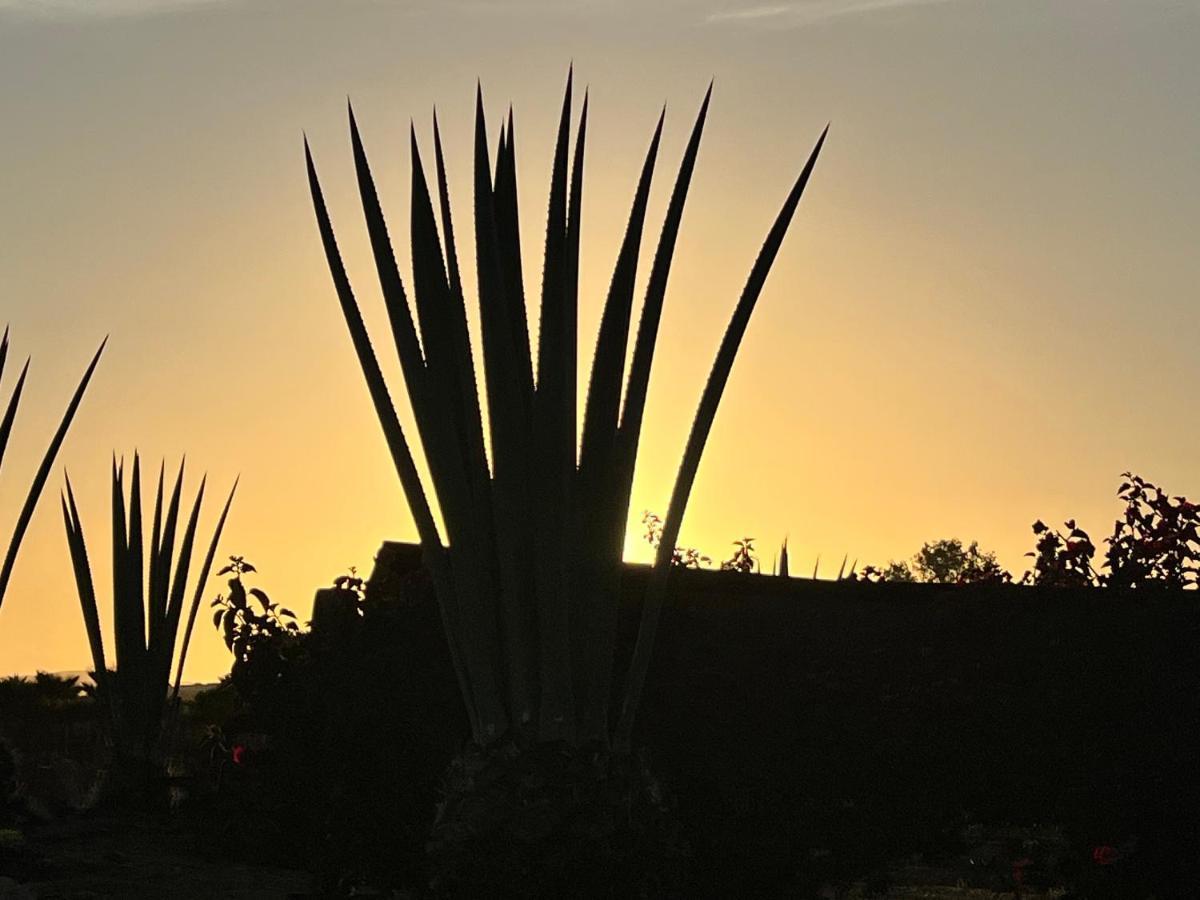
(497, 515)
(634, 409)
(43, 472)
(783, 559)
(701, 427)
(134, 577)
(83, 581)
(510, 422)
(597, 574)
(471, 560)
(433, 552)
(430, 389)
(473, 418)
(508, 242)
(156, 576)
(201, 581)
(10, 413)
(162, 651)
(554, 435)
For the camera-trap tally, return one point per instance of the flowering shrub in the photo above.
(743, 559)
(242, 626)
(1155, 543)
(1062, 561)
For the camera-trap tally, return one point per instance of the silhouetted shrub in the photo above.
(349, 728)
(1155, 543)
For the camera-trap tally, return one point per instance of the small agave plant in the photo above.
(528, 580)
(43, 471)
(148, 605)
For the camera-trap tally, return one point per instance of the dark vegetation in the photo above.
(802, 734)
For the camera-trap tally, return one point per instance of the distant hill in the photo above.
(186, 691)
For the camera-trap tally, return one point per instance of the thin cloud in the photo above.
(95, 9)
(794, 15)
(756, 12)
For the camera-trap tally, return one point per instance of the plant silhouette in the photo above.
(527, 585)
(147, 604)
(43, 471)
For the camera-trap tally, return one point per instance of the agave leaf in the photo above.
(701, 427)
(154, 625)
(134, 575)
(43, 472)
(497, 587)
(83, 580)
(510, 424)
(508, 239)
(127, 615)
(10, 414)
(3, 350)
(431, 545)
(161, 654)
(458, 473)
(167, 551)
(509, 403)
(459, 466)
(474, 453)
(125, 637)
(201, 581)
(401, 456)
(842, 568)
(598, 575)
(597, 515)
(554, 434)
(608, 363)
(434, 308)
(415, 362)
(408, 347)
(552, 327)
(647, 333)
(446, 425)
(569, 352)
(87, 602)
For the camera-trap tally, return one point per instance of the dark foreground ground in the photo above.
(856, 723)
(818, 739)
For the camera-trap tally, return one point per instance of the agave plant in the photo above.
(528, 579)
(147, 603)
(43, 470)
(783, 560)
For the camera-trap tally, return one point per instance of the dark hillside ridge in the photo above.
(790, 715)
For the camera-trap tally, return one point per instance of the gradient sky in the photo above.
(985, 310)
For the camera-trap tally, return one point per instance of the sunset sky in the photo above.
(984, 312)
